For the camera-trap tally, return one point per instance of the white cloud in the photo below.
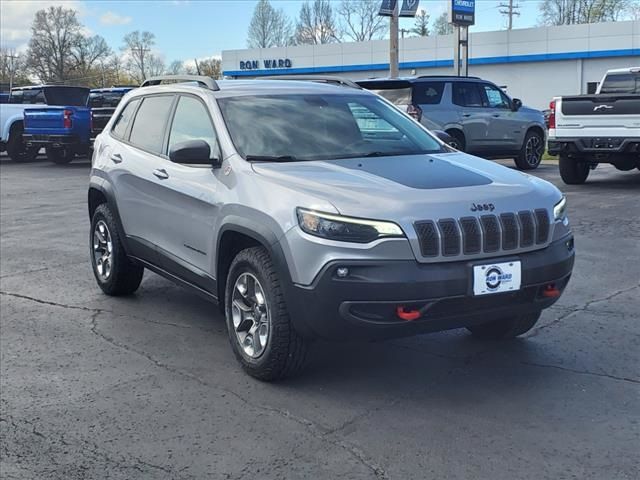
(111, 18)
(16, 17)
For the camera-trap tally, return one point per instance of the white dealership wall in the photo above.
(535, 63)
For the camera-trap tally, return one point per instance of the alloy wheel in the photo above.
(533, 150)
(250, 314)
(102, 250)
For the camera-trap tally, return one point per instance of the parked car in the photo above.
(62, 126)
(586, 130)
(4, 97)
(334, 216)
(12, 121)
(103, 102)
(481, 118)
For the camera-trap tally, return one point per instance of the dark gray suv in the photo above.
(481, 118)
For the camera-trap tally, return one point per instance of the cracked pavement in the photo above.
(146, 387)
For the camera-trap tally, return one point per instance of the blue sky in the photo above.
(187, 29)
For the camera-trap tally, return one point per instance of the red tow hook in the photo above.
(550, 291)
(408, 315)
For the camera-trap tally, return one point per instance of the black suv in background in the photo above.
(481, 118)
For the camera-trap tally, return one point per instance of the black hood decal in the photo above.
(416, 171)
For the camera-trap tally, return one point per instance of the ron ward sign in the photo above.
(265, 64)
(462, 12)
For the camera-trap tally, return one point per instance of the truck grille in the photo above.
(488, 234)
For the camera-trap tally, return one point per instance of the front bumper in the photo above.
(363, 305)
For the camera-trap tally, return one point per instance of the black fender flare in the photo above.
(102, 185)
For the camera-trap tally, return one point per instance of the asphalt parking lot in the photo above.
(147, 387)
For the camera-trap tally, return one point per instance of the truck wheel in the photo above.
(573, 171)
(16, 148)
(532, 150)
(458, 139)
(258, 324)
(60, 156)
(115, 273)
(505, 328)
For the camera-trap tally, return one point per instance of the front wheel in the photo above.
(573, 171)
(505, 328)
(60, 156)
(260, 330)
(531, 152)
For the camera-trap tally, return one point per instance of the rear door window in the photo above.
(192, 122)
(149, 125)
(123, 121)
(467, 94)
(428, 93)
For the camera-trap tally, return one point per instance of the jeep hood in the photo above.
(411, 187)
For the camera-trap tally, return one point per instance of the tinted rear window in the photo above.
(149, 125)
(428, 93)
(621, 83)
(66, 96)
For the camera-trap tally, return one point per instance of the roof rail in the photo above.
(203, 81)
(448, 76)
(331, 79)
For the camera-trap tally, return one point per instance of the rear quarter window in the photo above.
(428, 93)
(123, 121)
(149, 125)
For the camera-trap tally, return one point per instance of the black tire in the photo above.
(125, 276)
(458, 139)
(573, 171)
(285, 352)
(505, 328)
(531, 152)
(60, 156)
(16, 149)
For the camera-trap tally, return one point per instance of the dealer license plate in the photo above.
(496, 278)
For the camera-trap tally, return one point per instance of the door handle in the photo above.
(161, 173)
(496, 115)
(466, 115)
(116, 158)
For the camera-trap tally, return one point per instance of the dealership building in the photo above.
(534, 64)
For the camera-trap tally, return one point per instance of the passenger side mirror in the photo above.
(516, 103)
(191, 152)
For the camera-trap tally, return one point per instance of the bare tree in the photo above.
(175, 68)
(421, 25)
(54, 33)
(13, 68)
(441, 25)
(269, 27)
(155, 65)
(360, 20)
(211, 67)
(88, 53)
(569, 12)
(138, 47)
(316, 24)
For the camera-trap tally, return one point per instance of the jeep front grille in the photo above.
(488, 234)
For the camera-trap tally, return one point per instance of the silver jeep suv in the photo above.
(311, 210)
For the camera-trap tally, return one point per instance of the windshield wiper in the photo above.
(271, 158)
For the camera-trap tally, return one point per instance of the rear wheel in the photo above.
(458, 141)
(16, 148)
(532, 150)
(260, 330)
(573, 171)
(115, 273)
(60, 156)
(505, 328)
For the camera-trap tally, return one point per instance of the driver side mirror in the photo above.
(516, 103)
(192, 152)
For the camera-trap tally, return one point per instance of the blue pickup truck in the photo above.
(62, 126)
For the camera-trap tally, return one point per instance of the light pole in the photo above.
(393, 43)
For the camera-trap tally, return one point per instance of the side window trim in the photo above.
(172, 118)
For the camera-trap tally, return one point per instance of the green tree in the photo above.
(569, 12)
(421, 25)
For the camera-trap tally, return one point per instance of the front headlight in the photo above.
(345, 229)
(559, 211)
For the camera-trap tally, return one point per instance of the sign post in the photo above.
(462, 14)
(389, 8)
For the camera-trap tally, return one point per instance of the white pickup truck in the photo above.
(585, 130)
(12, 123)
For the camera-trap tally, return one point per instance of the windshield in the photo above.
(66, 96)
(315, 127)
(621, 83)
(105, 99)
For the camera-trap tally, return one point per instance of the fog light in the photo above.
(342, 272)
